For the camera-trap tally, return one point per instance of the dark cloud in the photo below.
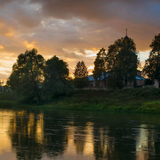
(101, 10)
(4, 2)
(141, 17)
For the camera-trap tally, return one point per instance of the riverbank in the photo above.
(134, 100)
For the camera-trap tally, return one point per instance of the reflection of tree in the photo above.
(103, 144)
(22, 132)
(79, 139)
(79, 132)
(157, 149)
(31, 136)
(106, 138)
(55, 137)
(113, 141)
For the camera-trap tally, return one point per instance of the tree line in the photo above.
(121, 62)
(34, 79)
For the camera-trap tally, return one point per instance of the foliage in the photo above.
(152, 64)
(134, 100)
(26, 77)
(110, 100)
(100, 66)
(2, 87)
(122, 62)
(56, 74)
(81, 75)
(148, 82)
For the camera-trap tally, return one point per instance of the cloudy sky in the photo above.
(74, 30)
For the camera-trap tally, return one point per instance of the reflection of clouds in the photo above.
(89, 145)
(40, 129)
(5, 143)
(145, 142)
(142, 138)
(82, 142)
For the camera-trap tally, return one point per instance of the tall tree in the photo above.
(27, 76)
(100, 66)
(56, 74)
(122, 62)
(81, 75)
(152, 64)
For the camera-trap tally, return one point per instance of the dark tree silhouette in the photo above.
(81, 75)
(122, 62)
(26, 76)
(100, 66)
(152, 64)
(56, 74)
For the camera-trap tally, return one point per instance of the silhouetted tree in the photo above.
(81, 75)
(122, 62)
(26, 76)
(152, 64)
(56, 74)
(100, 66)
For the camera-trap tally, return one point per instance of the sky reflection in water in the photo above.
(78, 135)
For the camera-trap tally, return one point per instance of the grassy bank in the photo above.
(137, 100)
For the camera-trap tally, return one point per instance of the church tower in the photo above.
(126, 37)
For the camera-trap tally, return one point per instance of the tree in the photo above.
(27, 76)
(100, 66)
(152, 64)
(56, 74)
(122, 62)
(81, 75)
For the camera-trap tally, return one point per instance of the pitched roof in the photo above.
(139, 78)
(91, 78)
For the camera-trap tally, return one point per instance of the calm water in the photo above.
(72, 135)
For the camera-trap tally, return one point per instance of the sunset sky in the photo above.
(74, 30)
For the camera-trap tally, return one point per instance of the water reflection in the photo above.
(146, 142)
(23, 131)
(103, 144)
(36, 135)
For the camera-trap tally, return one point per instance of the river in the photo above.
(77, 135)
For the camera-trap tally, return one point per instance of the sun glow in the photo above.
(30, 45)
(1, 47)
(71, 75)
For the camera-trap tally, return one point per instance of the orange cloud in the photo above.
(1, 47)
(9, 34)
(30, 45)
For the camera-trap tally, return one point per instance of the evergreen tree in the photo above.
(100, 66)
(81, 75)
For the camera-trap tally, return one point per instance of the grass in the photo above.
(130, 100)
(135, 100)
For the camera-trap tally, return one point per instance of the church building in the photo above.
(103, 80)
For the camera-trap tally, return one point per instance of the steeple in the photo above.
(126, 37)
